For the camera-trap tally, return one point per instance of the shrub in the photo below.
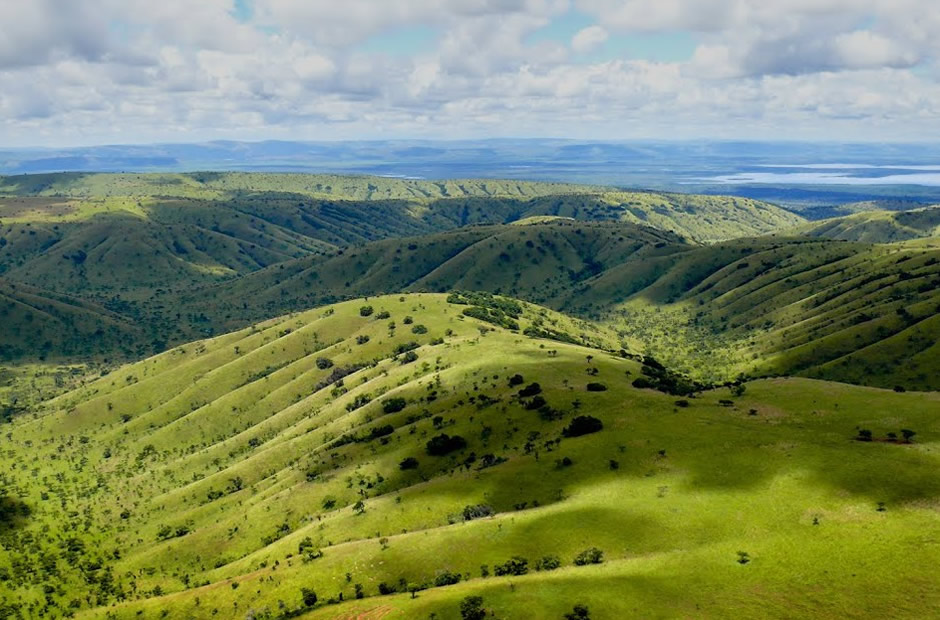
(393, 405)
(385, 314)
(580, 612)
(516, 380)
(445, 444)
(409, 357)
(582, 425)
(908, 434)
(592, 555)
(863, 435)
(536, 403)
(446, 578)
(309, 597)
(362, 339)
(530, 390)
(409, 463)
(385, 589)
(642, 383)
(419, 329)
(516, 565)
(324, 362)
(477, 512)
(549, 562)
(471, 608)
(596, 387)
(365, 311)
(682, 403)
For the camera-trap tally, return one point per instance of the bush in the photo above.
(445, 444)
(409, 463)
(409, 357)
(516, 380)
(362, 339)
(863, 435)
(530, 390)
(516, 565)
(642, 383)
(582, 425)
(592, 555)
(365, 311)
(471, 608)
(309, 597)
(446, 578)
(419, 329)
(324, 362)
(385, 589)
(596, 387)
(549, 562)
(385, 314)
(580, 612)
(682, 403)
(908, 434)
(393, 405)
(477, 512)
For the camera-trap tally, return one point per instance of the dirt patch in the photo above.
(370, 614)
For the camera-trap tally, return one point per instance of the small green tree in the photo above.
(580, 612)
(309, 597)
(471, 608)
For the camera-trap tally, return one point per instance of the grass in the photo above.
(246, 456)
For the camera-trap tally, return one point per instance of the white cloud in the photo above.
(589, 39)
(137, 70)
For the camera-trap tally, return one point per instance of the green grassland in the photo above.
(877, 226)
(851, 312)
(233, 493)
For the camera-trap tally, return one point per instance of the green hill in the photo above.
(877, 226)
(301, 463)
(39, 323)
(841, 311)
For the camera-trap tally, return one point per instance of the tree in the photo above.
(596, 387)
(471, 608)
(863, 435)
(445, 444)
(324, 362)
(359, 507)
(516, 380)
(516, 565)
(365, 311)
(908, 434)
(530, 390)
(580, 612)
(309, 597)
(393, 405)
(591, 555)
(409, 463)
(582, 425)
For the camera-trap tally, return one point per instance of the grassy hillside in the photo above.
(36, 322)
(877, 226)
(842, 311)
(323, 454)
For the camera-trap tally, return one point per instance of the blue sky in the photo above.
(95, 71)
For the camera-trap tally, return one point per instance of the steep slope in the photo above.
(877, 226)
(39, 324)
(320, 457)
(540, 262)
(841, 311)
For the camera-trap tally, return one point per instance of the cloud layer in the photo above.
(82, 72)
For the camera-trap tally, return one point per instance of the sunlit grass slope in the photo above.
(236, 477)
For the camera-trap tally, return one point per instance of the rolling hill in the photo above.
(851, 312)
(396, 456)
(877, 226)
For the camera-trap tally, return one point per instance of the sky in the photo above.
(83, 72)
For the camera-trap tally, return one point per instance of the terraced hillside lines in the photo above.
(540, 262)
(877, 226)
(326, 455)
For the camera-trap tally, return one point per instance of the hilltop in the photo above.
(877, 226)
(369, 448)
(841, 311)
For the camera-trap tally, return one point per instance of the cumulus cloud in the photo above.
(589, 39)
(137, 70)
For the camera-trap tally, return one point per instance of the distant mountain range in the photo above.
(793, 174)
